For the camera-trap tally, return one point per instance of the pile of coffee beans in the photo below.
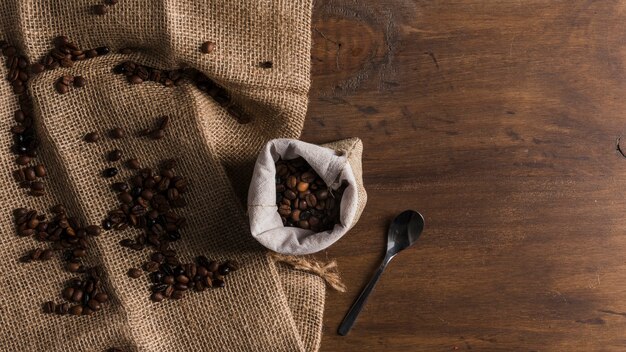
(66, 235)
(147, 202)
(64, 54)
(25, 140)
(30, 177)
(63, 84)
(137, 73)
(84, 296)
(303, 198)
(172, 279)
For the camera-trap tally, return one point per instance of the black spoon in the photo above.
(405, 229)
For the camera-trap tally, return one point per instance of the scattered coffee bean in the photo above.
(266, 64)
(117, 133)
(79, 81)
(92, 137)
(110, 172)
(134, 273)
(133, 164)
(22, 160)
(40, 170)
(114, 155)
(76, 310)
(207, 47)
(100, 9)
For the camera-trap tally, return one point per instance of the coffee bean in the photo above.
(73, 267)
(213, 266)
(151, 266)
(218, 283)
(68, 293)
(266, 64)
(61, 87)
(77, 295)
(292, 182)
(322, 194)
(177, 294)
(224, 270)
(114, 155)
(117, 133)
(40, 170)
(76, 310)
(37, 68)
(93, 230)
(134, 273)
(48, 307)
(92, 137)
(9, 51)
(207, 47)
(157, 297)
(94, 305)
(110, 2)
(79, 81)
(289, 194)
(133, 164)
(46, 254)
(110, 172)
(100, 9)
(134, 79)
(182, 279)
(37, 186)
(101, 297)
(29, 174)
(302, 186)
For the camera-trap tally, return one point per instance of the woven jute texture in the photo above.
(264, 307)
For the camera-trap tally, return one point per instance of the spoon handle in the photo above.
(350, 318)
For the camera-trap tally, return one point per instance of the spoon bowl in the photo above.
(404, 230)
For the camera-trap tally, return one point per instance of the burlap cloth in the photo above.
(264, 307)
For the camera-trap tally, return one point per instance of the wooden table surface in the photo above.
(498, 121)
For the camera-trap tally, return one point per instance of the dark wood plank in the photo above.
(497, 120)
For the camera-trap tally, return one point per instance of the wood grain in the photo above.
(497, 120)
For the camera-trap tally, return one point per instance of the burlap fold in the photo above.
(262, 307)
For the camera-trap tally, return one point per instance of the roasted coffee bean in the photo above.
(224, 270)
(182, 279)
(134, 273)
(76, 310)
(213, 266)
(48, 307)
(110, 172)
(68, 293)
(322, 194)
(134, 79)
(207, 47)
(157, 296)
(40, 170)
(73, 267)
(133, 164)
(46, 254)
(94, 305)
(77, 295)
(302, 186)
(218, 283)
(177, 294)
(37, 186)
(114, 155)
(289, 194)
(151, 266)
(117, 133)
(100, 9)
(37, 68)
(120, 186)
(79, 81)
(93, 230)
(92, 137)
(101, 297)
(29, 174)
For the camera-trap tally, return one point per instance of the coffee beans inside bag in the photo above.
(334, 169)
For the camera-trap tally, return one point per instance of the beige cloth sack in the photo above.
(264, 307)
(334, 163)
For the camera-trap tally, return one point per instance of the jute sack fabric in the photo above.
(337, 163)
(263, 307)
